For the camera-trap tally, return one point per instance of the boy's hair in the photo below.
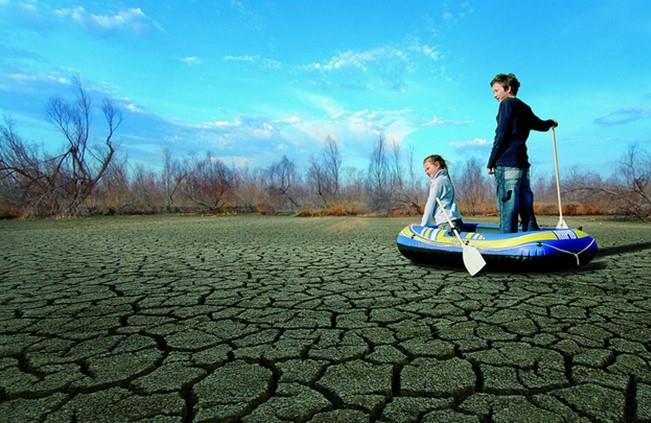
(507, 80)
(434, 158)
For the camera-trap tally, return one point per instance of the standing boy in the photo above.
(508, 160)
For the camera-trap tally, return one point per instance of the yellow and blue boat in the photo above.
(548, 248)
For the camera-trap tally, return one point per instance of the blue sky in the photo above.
(249, 81)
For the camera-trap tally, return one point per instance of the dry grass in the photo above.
(338, 209)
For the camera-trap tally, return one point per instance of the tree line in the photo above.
(85, 179)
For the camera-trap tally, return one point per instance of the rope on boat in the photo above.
(576, 255)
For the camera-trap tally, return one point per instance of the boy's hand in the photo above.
(489, 170)
(555, 123)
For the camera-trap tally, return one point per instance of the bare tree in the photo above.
(395, 168)
(317, 179)
(354, 185)
(544, 188)
(323, 173)
(31, 179)
(10, 199)
(209, 183)
(412, 180)
(629, 190)
(84, 165)
(412, 187)
(332, 164)
(404, 193)
(378, 183)
(113, 189)
(147, 194)
(282, 180)
(473, 188)
(249, 189)
(635, 171)
(173, 175)
(406, 190)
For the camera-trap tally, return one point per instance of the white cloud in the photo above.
(425, 49)
(122, 19)
(326, 104)
(474, 144)
(76, 14)
(271, 63)
(243, 58)
(359, 59)
(462, 10)
(29, 7)
(358, 69)
(248, 15)
(437, 121)
(191, 60)
(356, 129)
(266, 62)
(430, 51)
(219, 124)
(290, 120)
(252, 126)
(27, 13)
(304, 134)
(133, 19)
(132, 108)
(383, 114)
(238, 161)
(623, 116)
(22, 77)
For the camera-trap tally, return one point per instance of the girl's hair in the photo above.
(507, 80)
(434, 158)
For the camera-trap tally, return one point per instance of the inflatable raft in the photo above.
(548, 248)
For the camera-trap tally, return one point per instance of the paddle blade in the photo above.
(473, 260)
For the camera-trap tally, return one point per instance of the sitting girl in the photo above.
(440, 187)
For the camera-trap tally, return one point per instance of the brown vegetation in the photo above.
(87, 179)
(40, 184)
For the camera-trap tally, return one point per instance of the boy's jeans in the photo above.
(514, 197)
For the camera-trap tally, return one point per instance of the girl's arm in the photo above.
(430, 206)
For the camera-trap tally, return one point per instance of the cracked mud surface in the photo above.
(263, 319)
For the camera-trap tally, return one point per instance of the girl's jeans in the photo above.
(457, 224)
(514, 197)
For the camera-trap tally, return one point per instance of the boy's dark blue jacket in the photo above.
(514, 122)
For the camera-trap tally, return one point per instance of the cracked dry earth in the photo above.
(263, 319)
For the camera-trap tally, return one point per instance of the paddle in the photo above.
(561, 222)
(472, 258)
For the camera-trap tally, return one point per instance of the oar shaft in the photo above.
(558, 178)
(447, 217)
(471, 256)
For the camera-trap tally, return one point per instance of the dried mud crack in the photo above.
(271, 319)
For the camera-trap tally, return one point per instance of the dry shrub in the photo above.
(402, 211)
(545, 209)
(569, 209)
(580, 209)
(488, 209)
(339, 209)
(308, 211)
(9, 212)
(263, 207)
